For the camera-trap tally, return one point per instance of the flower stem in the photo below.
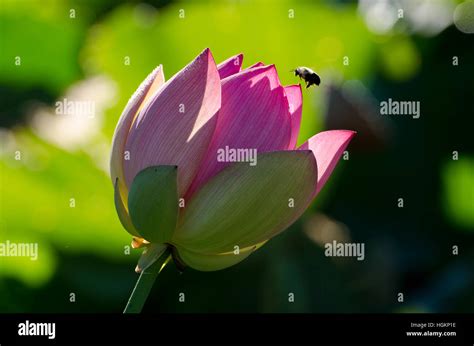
(145, 283)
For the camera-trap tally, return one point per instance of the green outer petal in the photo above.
(122, 212)
(207, 263)
(153, 203)
(244, 205)
(151, 253)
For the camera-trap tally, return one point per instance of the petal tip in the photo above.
(231, 66)
(257, 64)
(328, 147)
(349, 133)
(205, 55)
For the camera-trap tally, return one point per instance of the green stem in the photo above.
(145, 283)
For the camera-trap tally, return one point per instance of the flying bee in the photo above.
(308, 75)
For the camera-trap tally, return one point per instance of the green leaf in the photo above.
(244, 205)
(153, 203)
(122, 212)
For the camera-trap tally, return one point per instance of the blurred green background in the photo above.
(55, 189)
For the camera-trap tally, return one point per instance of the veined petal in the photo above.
(176, 126)
(254, 74)
(327, 148)
(205, 262)
(295, 101)
(146, 89)
(253, 117)
(230, 66)
(244, 205)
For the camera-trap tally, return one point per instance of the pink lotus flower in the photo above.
(171, 189)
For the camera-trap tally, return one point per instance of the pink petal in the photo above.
(258, 64)
(327, 148)
(176, 126)
(295, 100)
(230, 66)
(144, 92)
(254, 115)
(256, 72)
